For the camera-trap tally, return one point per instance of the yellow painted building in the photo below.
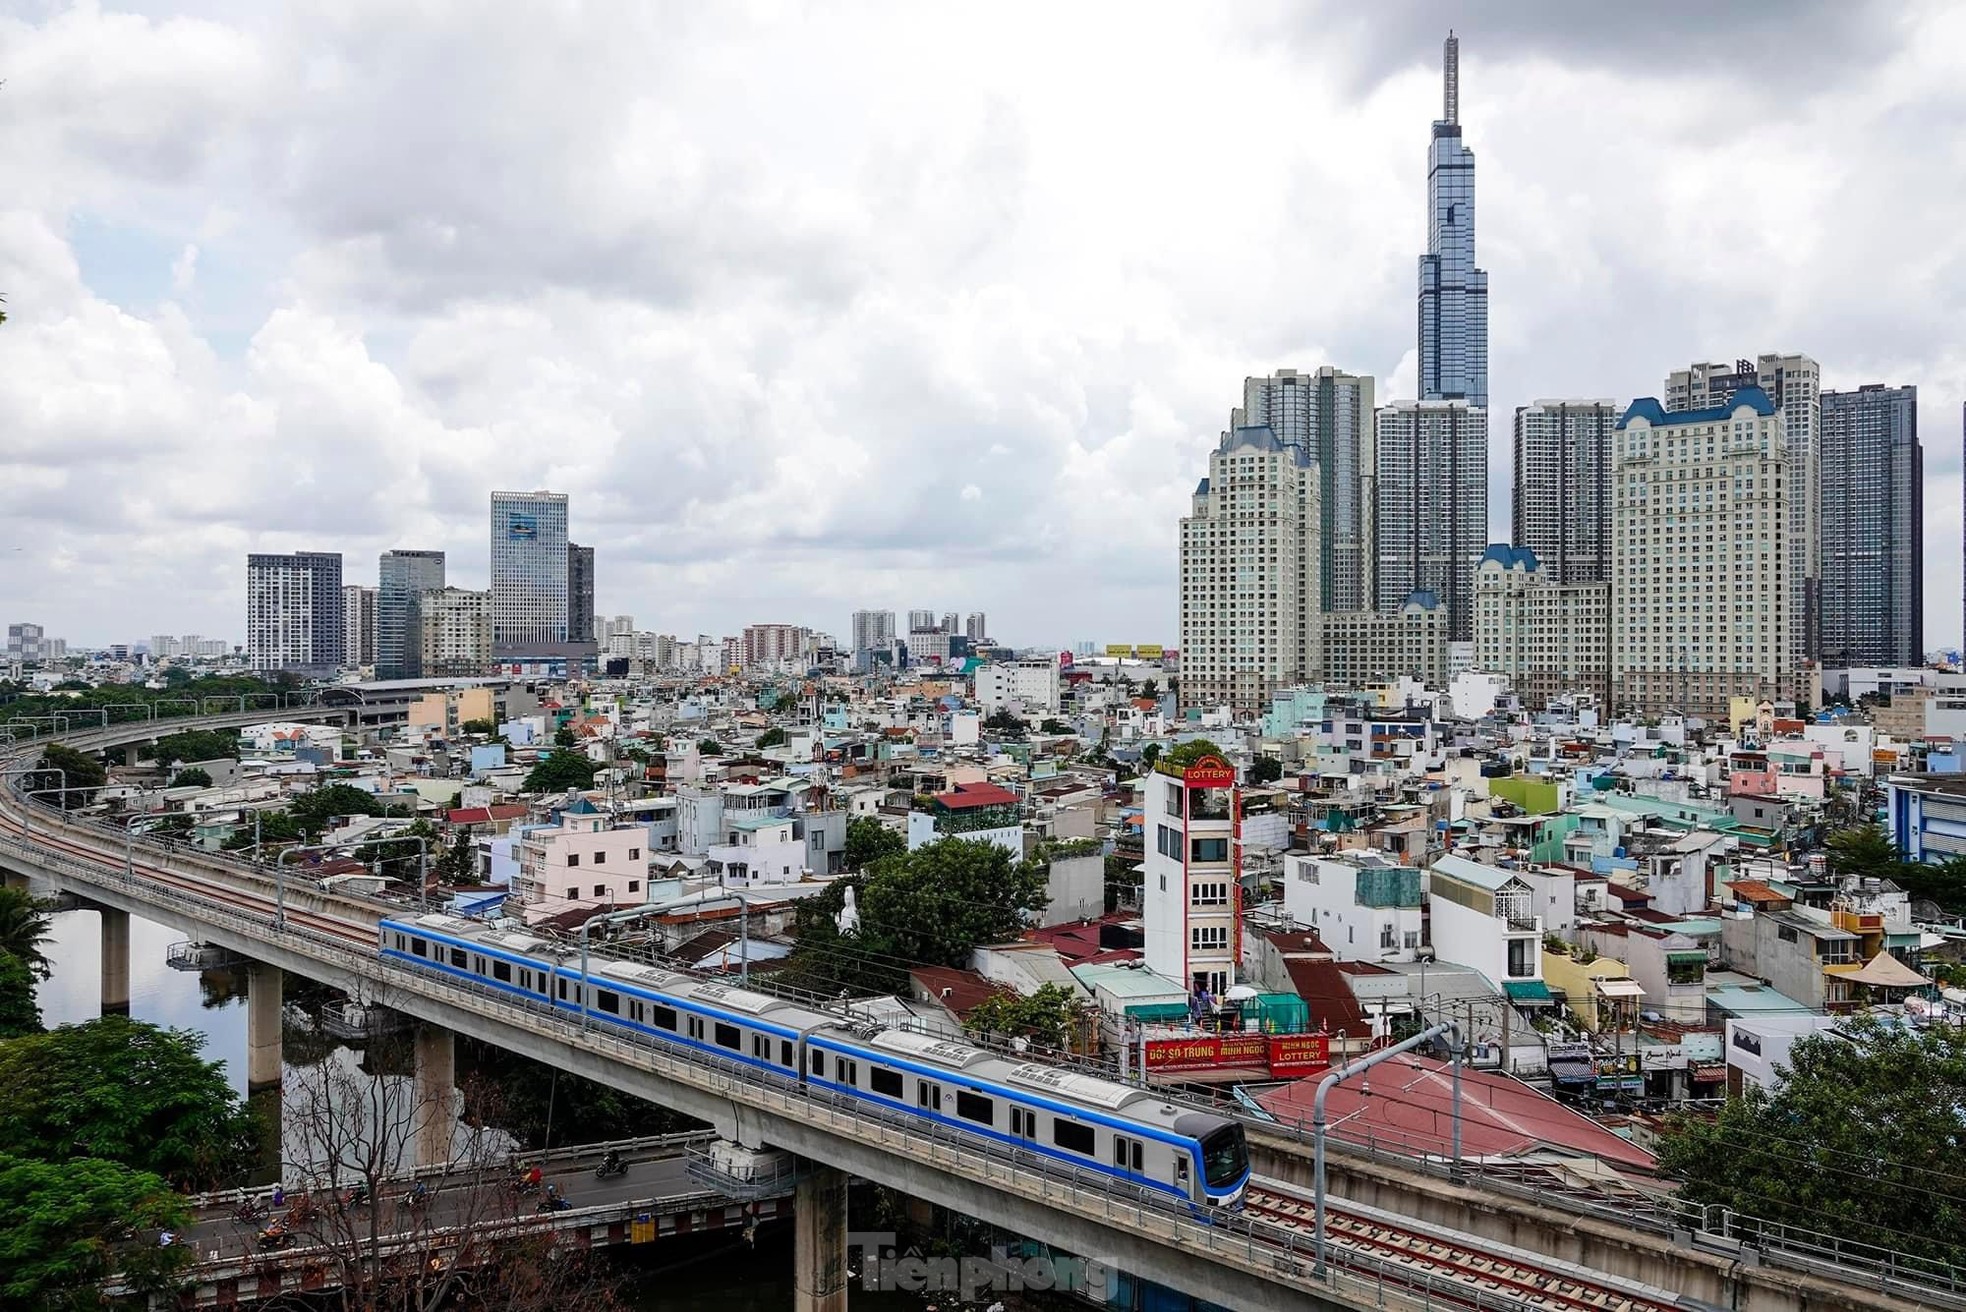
(1584, 986)
(446, 713)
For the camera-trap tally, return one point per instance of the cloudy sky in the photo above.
(816, 307)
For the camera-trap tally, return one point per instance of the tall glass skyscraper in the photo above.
(529, 573)
(1453, 292)
(402, 577)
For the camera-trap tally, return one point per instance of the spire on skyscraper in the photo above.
(1450, 69)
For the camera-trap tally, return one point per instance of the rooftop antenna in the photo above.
(1450, 67)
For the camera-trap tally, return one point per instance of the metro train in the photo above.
(1129, 1134)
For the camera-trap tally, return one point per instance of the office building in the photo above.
(402, 578)
(1250, 574)
(1431, 506)
(1328, 413)
(358, 625)
(1361, 648)
(774, 644)
(1562, 510)
(1547, 637)
(529, 572)
(455, 637)
(1453, 292)
(1701, 521)
(1793, 383)
(1030, 687)
(976, 627)
(295, 614)
(1871, 536)
(580, 593)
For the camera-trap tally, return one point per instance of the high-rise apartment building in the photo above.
(873, 630)
(359, 624)
(580, 593)
(919, 620)
(772, 644)
(1701, 523)
(1871, 529)
(1250, 604)
(1793, 382)
(29, 644)
(976, 627)
(1431, 506)
(295, 613)
(1562, 510)
(455, 637)
(952, 623)
(402, 577)
(1365, 647)
(1453, 292)
(1548, 637)
(529, 573)
(1328, 413)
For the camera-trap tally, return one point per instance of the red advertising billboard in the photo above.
(1205, 1052)
(1209, 772)
(1299, 1054)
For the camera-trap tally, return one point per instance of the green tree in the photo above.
(1183, 755)
(1048, 1017)
(558, 771)
(125, 1091)
(787, 703)
(1861, 1140)
(459, 863)
(63, 765)
(1265, 770)
(275, 828)
(62, 1229)
(18, 1013)
(772, 737)
(1004, 724)
(197, 745)
(1150, 689)
(931, 906)
(192, 778)
(565, 737)
(314, 810)
(1865, 850)
(710, 747)
(1149, 755)
(868, 840)
(25, 924)
(484, 728)
(396, 858)
(1053, 725)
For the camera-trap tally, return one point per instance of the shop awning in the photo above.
(1572, 1072)
(1621, 988)
(1527, 990)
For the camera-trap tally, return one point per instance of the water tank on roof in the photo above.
(1618, 852)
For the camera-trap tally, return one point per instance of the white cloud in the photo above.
(811, 310)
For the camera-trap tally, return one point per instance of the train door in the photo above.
(1023, 1124)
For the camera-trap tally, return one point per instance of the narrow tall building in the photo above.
(1453, 292)
(1327, 414)
(873, 630)
(1701, 522)
(1871, 593)
(1793, 382)
(976, 626)
(456, 632)
(529, 574)
(580, 593)
(296, 617)
(1250, 574)
(1431, 506)
(358, 625)
(402, 577)
(1562, 495)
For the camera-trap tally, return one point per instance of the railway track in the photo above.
(1488, 1276)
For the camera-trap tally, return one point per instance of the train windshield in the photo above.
(1224, 1157)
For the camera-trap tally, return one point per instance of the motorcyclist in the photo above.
(611, 1163)
(533, 1176)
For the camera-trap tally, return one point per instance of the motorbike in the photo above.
(525, 1185)
(275, 1236)
(249, 1211)
(554, 1204)
(610, 1166)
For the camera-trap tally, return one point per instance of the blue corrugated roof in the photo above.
(1649, 409)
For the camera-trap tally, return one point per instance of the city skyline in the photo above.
(285, 370)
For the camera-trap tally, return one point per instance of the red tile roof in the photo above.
(1409, 1103)
(1758, 892)
(479, 815)
(1333, 1005)
(957, 990)
(967, 797)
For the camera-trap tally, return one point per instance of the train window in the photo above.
(818, 1061)
(848, 1071)
(883, 1081)
(607, 1000)
(419, 948)
(1072, 1136)
(663, 1018)
(785, 1053)
(502, 971)
(457, 958)
(975, 1107)
(563, 990)
(728, 1037)
(761, 1047)
(399, 942)
(929, 1097)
